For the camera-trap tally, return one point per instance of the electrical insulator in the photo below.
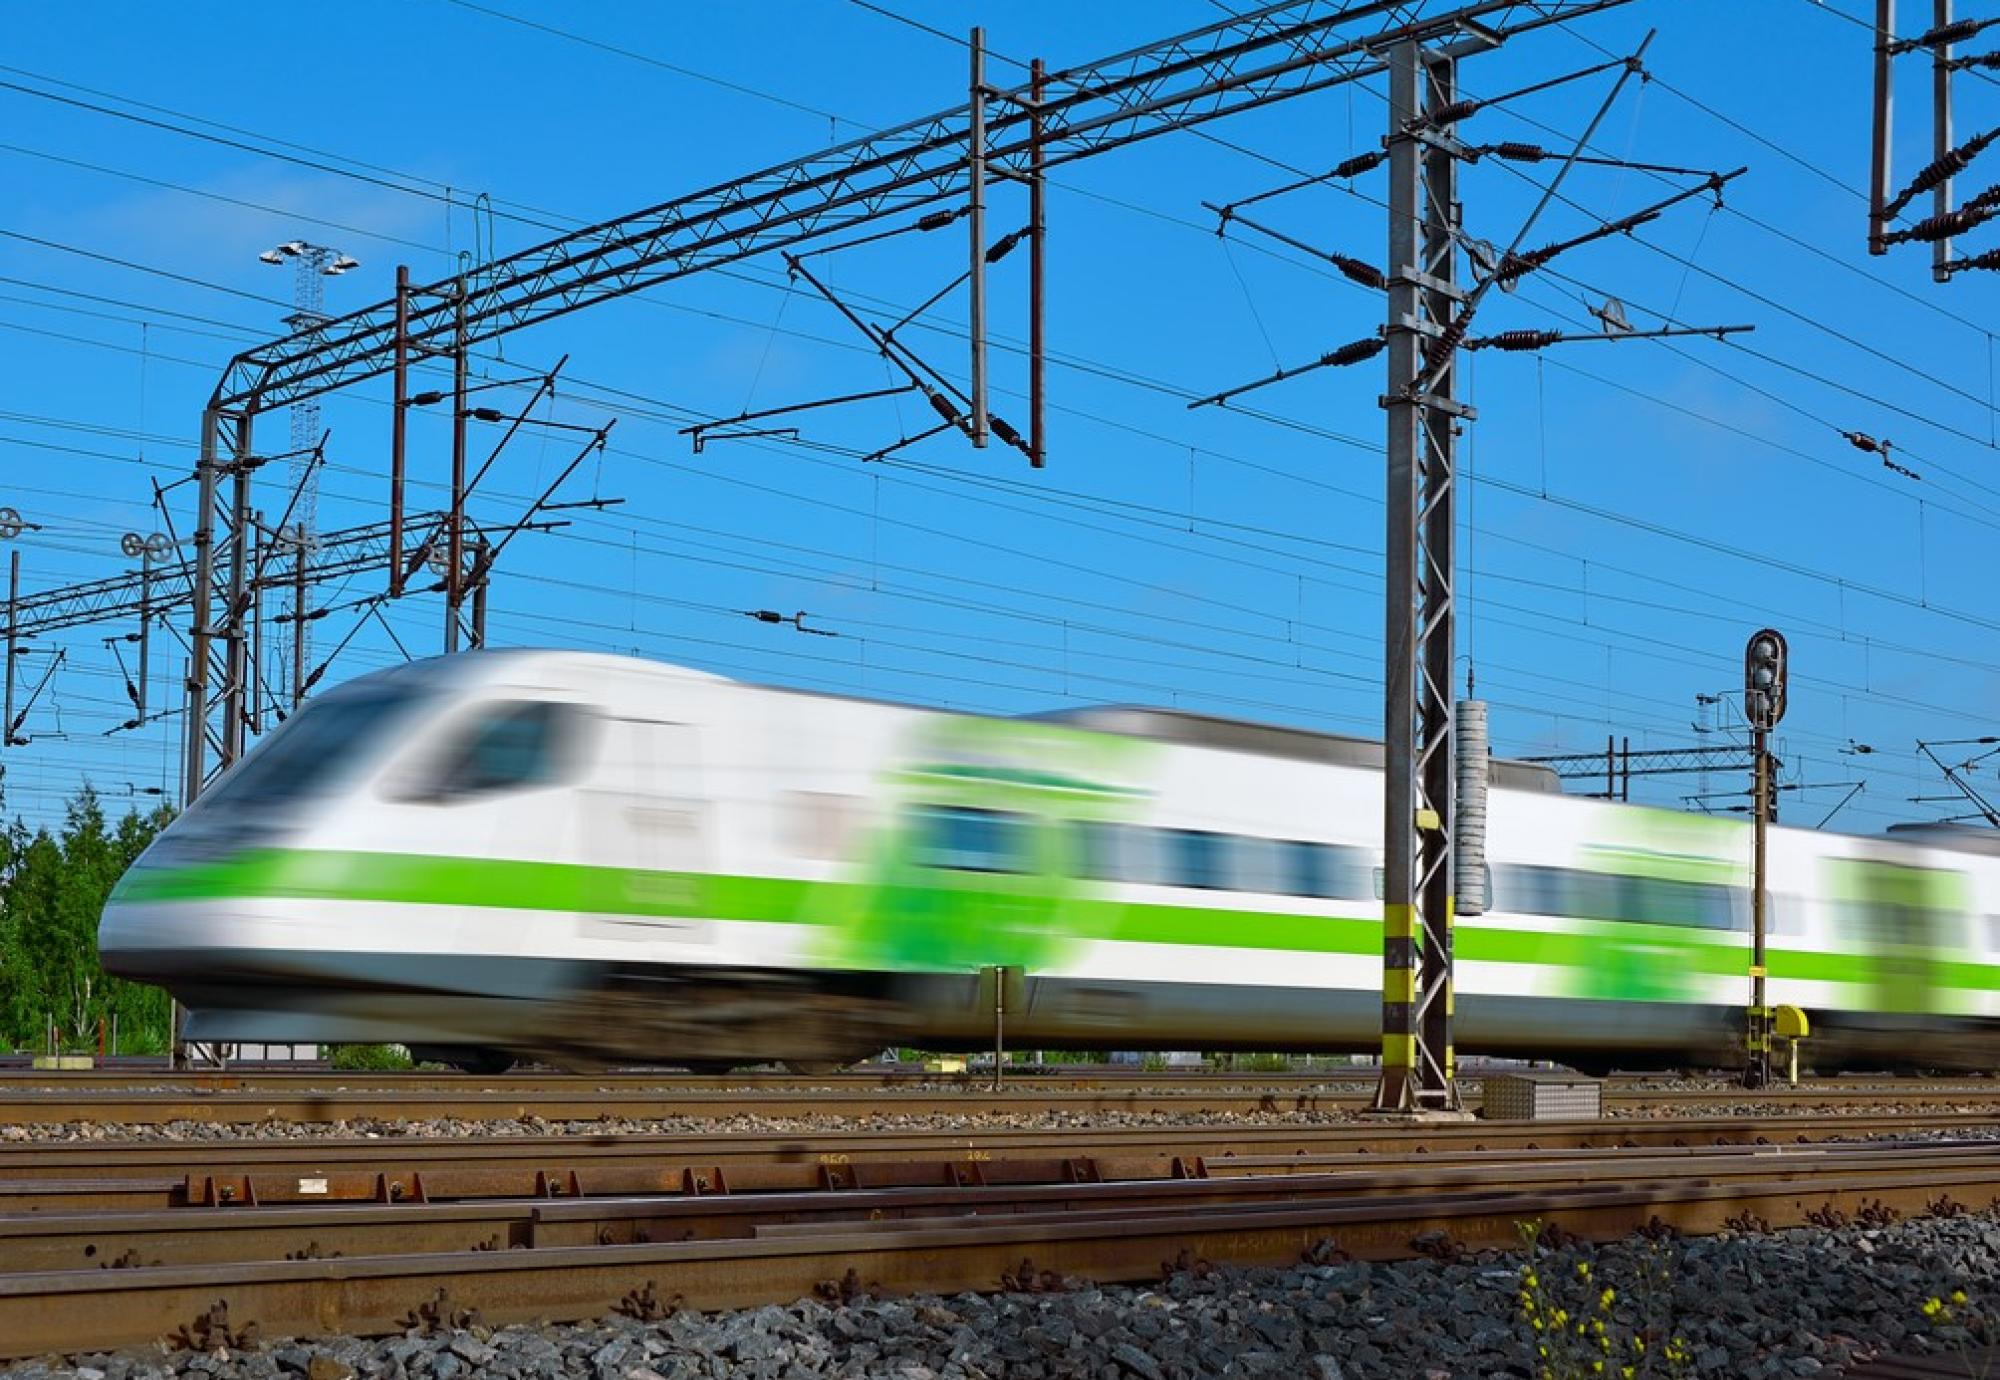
(1861, 441)
(1355, 351)
(1989, 260)
(765, 615)
(1361, 163)
(1985, 61)
(1441, 346)
(1951, 223)
(1517, 266)
(936, 220)
(1004, 246)
(941, 405)
(1952, 33)
(1523, 340)
(1004, 430)
(1448, 114)
(1941, 169)
(1355, 270)
(1520, 153)
(426, 399)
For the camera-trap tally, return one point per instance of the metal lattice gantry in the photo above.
(1618, 763)
(1236, 64)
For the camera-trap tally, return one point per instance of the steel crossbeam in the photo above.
(1236, 64)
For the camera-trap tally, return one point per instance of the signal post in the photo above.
(1763, 705)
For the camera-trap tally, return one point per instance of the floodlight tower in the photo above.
(311, 265)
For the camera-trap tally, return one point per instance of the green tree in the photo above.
(52, 891)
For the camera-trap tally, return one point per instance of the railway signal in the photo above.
(1763, 705)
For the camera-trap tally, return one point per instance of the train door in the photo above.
(646, 828)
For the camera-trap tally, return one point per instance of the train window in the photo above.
(1579, 895)
(1120, 852)
(307, 754)
(1788, 913)
(1658, 901)
(1258, 865)
(1198, 858)
(1326, 870)
(963, 839)
(507, 747)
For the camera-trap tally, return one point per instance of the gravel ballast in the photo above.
(879, 1120)
(1800, 1302)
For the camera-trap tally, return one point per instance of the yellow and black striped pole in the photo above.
(1417, 1064)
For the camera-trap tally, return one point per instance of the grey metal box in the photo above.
(1538, 1095)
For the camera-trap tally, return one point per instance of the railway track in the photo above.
(112, 1278)
(251, 1099)
(137, 1175)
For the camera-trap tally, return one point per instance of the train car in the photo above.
(586, 858)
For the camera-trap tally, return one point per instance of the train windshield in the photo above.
(310, 752)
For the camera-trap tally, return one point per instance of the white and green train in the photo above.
(587, 858)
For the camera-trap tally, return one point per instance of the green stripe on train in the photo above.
(419, 879)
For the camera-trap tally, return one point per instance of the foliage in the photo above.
(370, 1058)
(52, 890)
(1580, 1326)
(1960, 1324)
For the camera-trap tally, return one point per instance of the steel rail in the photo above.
(1092, 1234)
(139, 1174)
(55, 1241)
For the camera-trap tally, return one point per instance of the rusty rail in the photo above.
(121, 1158)
(314, 1222)
(784, 1247)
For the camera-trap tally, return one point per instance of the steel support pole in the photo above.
(454, 589)
(236, 678)
(399, 417)
(1880, 163)
(976, 231)
(201, 630)
(145, 631)
(1418, 1073)
(13, 641)
(1941, 136)
(299, 623)
(1038, 452)
(254, 703)
(1757, 1068)
(479, 550)
(1437, 729)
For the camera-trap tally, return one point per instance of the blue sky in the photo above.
(1633, 511)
